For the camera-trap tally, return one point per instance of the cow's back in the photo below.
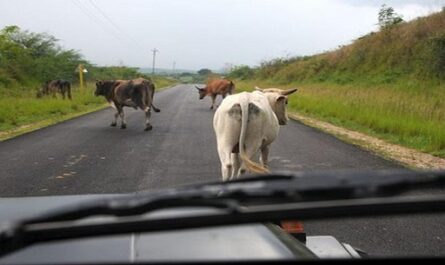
(262, 121)
(139, 91)
(143, 83)
(227, 121)
(269, 121)
(219, 86)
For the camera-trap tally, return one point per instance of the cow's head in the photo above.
(278, 101)
(202, 92)
(102, 88)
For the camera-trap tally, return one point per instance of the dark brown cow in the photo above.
(216, 87)
(136, 93)
(55, 86)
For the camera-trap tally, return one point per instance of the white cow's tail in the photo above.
(251, 165)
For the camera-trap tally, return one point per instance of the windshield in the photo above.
(121, 97)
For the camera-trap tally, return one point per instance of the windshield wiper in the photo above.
(271, 198)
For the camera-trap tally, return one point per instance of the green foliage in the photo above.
(268, 69)
(412, 117)
(411, 52)
(26, 109)
(390, 84)
(189, 78)
(113, 73)
(438, 55)
(388, 18)
(242, 72)
(163, 82)
(28, 58)
(205, 72)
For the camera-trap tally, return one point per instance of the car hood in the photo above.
(237, 242)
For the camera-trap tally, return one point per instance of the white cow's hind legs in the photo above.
(264, 156)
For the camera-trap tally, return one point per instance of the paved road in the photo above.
(86, 156)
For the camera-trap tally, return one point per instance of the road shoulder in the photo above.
(8, 134)
(406, 156)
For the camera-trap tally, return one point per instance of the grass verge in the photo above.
(22, 129)
(406, 156)
(26, 113)
(411, 118)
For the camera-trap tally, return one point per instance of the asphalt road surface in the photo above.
(87, 156)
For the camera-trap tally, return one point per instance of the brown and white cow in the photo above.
(136, 93)
(216, 87)
(245, 125)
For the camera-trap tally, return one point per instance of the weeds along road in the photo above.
(87, 156)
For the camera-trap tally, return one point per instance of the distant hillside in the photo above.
(390, 84)
(408, 51)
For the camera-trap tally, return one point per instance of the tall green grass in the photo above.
(411, 117)
(17, 111)
(413, 51)
(20, 107)
(389, 84)
(163, 82)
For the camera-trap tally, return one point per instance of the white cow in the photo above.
(246, 124)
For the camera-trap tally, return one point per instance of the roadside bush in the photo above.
(242, 72)
(438, 55)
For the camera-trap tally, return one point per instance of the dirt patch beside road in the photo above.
(405, 156)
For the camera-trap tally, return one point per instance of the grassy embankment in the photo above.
(21, 111)
(389, 84)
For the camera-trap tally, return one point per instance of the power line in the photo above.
(113, 30)
(114, 25)
(106, 17)
(96, 20)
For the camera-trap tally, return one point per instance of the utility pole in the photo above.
(154, 60)
(174, 66)
(81, 76)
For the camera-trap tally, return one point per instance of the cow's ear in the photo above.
(99, 82)
(200, 89)
(281, 99)
(288, 91)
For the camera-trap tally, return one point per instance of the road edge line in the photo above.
(27, 128)
(405, 156)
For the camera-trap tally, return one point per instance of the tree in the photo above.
(204, 71)
(388, 17)
(242, 72)
(30, 58)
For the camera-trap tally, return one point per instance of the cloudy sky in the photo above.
(202, 33)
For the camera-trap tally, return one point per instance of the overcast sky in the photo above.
(202, 33)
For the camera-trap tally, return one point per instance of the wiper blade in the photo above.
(261, 199)
(300, 186)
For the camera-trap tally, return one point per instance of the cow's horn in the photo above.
(288, 91)
(259, 89)
(197, 87)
